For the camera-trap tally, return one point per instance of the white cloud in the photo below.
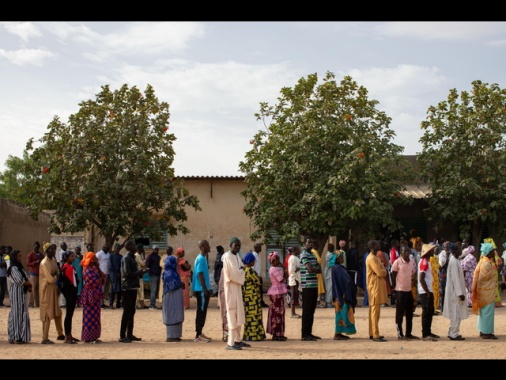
(24, 30)
(26, 57)
(448, 31)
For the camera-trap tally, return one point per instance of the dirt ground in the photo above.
(149, 326)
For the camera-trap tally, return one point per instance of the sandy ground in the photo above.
(149, 326)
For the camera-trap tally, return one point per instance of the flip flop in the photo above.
(296, 316)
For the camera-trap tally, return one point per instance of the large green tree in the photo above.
(12, 178)
(324, 163)
(464, 160)
(109, 167)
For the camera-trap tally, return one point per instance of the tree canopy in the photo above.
(110, 167)
(464, 160)
(325, 162)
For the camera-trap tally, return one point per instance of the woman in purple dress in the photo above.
(468, 264)
(92, 295)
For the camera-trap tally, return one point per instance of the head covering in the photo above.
(470, 249)
(289, 250)
(249, 258)
(170, 277)
(486, 248)
(452, 247)
(426, 248)
(339, 254)
(88, 256)
(65, 255)
(154, 246)
(14, 263)
(504, 245)
(140, 246)
(234, 240)
(490, 241)
(78, 246)
(272, 256)
(179, 250)
(46, 246)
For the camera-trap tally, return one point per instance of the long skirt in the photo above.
(345, 319)
(486, 319)
(276, 315)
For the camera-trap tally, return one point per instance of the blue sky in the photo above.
(215, 74)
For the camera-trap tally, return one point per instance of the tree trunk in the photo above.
(477, 231)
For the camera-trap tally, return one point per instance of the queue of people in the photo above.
(470, 286)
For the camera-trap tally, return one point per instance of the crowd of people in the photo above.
(444, 278)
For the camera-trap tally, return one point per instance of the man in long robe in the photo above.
(233, 274)
(455, 307)
(48, 293)
(376, 289)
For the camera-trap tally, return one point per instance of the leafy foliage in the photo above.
(109, 167)
(12, 179)
(464, 159)
(324, 163)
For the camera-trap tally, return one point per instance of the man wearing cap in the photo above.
(425, 291)
(233, 278)
(483, 291)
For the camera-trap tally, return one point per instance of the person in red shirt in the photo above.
(33, 260)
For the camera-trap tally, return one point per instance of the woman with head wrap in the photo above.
(344, 297)
(254, 325)
(184, 270)
(91, 298)
(276, 292)
(18, 325)
(468, 265)
(49, 297)
(498, 263)
(172, 300)
(483, 291)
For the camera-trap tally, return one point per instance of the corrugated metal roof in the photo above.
(416, 191)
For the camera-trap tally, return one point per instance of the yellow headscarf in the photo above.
(490, 241)
(88, 256)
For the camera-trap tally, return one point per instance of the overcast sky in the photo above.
(215, 74)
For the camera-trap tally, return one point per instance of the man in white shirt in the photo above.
(103, 263)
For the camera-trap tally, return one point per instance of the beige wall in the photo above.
(221, 218)
(19, 230)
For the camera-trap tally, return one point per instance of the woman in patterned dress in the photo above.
(18, 327)
(184, 271)
(468, 264)
(251, 295)
(92, 295)
(277, 291)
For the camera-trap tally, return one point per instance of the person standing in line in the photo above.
(155, 272)
(218, 266)
(443, 259)
(58, 257)
(425, 290)
(328, 262)
(115, 276)
(233, 279)
(403, 271)
(253, 325)
(140, 259)
(103, 262)
(455, 307)
(345, 299)
(79, 272)
(130, 275)
(201, 287)
(376, 289)
(49, 303)
(319, 276)
(92, 296)
(353, 263)
(257, 249)
(468, 264)
(184, 270)
(309, 268)
(483, 291)
(69, 291)
(168, 252)
(276, 292)
(33, 260)
(172, 300)
(294, 281)
(4, 257)
(362, 279)
(18, 325)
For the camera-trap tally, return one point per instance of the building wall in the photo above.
(221, 218)
(19, 230)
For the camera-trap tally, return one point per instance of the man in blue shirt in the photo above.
(202, 289)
